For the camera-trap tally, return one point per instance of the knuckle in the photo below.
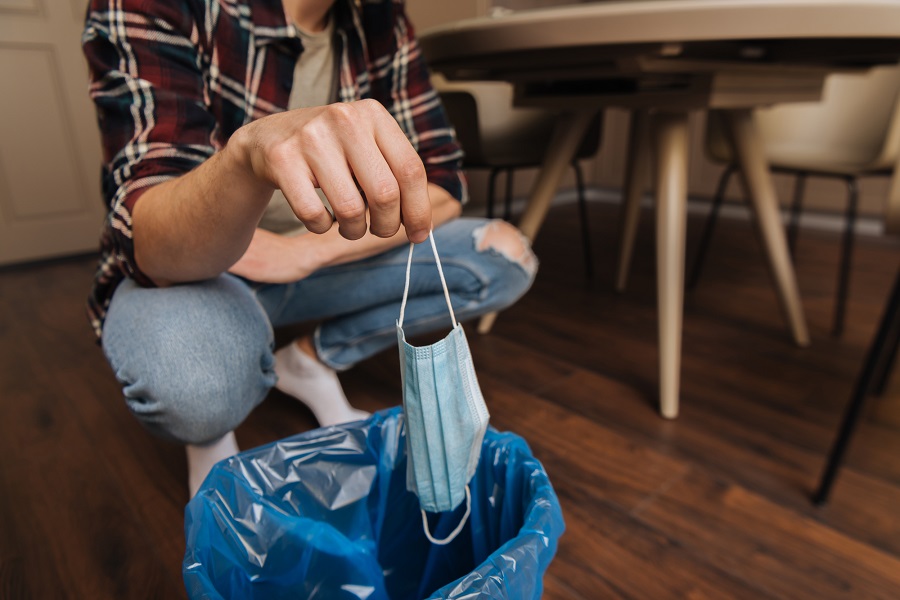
(416, 218)
(384, 194)
(307, 211)
(315, 218)
(411, 169)
(314, 135)
(371, 105)
(341, 115)
(348, 210)
(279, 154)
(318, 226)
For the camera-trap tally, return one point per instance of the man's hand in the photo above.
(197, 225)
(343, 149)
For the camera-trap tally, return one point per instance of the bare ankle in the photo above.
(305, 344)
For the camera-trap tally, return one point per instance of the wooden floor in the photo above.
(712, 505)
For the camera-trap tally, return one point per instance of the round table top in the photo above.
(667, 22)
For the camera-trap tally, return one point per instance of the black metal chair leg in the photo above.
(878, 352)
(491, 185)
(585, 222)
(883, 373)
(796, 209)
(840, 307)
(507, 205)
(886, 366)
(706, 236)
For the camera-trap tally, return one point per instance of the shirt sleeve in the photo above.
(417, 107)
(147, 85)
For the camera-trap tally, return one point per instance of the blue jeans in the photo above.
(195, 359)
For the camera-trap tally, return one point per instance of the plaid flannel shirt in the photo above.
(173, 80)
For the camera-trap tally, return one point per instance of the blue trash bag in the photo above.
(326, 514)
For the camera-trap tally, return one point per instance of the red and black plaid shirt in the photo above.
(173, 80)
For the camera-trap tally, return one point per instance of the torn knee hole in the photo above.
(508, 241)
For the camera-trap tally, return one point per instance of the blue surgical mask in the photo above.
(446, 417)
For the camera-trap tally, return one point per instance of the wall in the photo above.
(430, 13)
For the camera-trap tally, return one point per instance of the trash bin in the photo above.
(326, 514)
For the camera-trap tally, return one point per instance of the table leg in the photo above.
(638, 161)
(567, 136)
(751, 157)
(669, 132)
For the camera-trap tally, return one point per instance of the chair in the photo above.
(854, 132)
(877, 366)
(501, 138)
(872, 378)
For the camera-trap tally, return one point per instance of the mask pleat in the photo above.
(444, 406)
(434, 434)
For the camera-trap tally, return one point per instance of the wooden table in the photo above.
(662, 59)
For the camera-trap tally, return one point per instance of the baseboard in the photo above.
(809, 220)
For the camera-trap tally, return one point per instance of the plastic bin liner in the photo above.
(326, 514)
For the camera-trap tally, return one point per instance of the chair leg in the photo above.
(840, 307)
(507, 202)
(492, 181)
(706, 236)
(636, 168)
(585, 222)
(886, 366)
(877, 353)
(796, 209)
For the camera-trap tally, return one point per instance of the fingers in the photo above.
(338, 146)
(330, 165)
(379, 184)
(390, 173)
(412, 183)
(299, 190)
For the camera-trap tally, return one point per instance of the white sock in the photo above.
(202, 458)
(314, 384)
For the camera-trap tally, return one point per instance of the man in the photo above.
(199, 259)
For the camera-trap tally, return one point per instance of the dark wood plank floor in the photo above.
(712, 505)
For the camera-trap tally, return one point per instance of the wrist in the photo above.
(310, 251)
(238, 157)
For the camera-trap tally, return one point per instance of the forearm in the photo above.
(194, 227)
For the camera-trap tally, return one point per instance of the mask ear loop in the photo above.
(437, 260)
(453, 533)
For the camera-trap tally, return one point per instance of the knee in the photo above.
(513, 247)
(509, 242)
(199, 399)
(193, 360)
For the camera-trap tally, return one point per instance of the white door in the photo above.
(50, 202)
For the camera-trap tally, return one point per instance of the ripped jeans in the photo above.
(195, 359)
